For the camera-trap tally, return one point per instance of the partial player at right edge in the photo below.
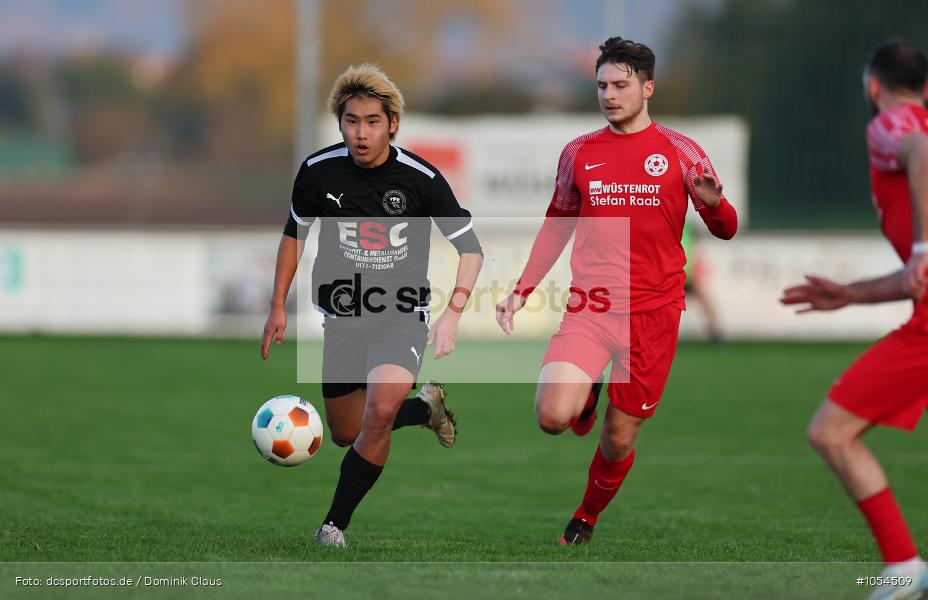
(888, 384)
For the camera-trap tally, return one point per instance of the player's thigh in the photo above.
(563, 388)
(343, 414)
(575, 358)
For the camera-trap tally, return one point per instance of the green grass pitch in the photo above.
(133, 457)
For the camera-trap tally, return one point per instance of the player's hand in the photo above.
(817, 293)
(444, 333)
(915, 276)
(708, 187)
(506, 310)
(273, 329)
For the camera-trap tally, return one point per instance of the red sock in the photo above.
(888, 527)
(603, 483)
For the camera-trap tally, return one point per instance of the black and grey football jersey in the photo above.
(375, 226)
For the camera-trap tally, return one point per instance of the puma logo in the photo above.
(414, 353)
(334, 199)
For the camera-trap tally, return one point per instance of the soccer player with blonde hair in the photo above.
(375, 202)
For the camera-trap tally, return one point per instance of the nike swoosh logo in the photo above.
(602, 487)
(587, 167)
(646, 407)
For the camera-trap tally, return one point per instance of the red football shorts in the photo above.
(888, 384)
(639, 370)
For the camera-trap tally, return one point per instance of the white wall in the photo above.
(218, 283)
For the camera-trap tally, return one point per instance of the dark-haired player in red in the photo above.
(622, 190)
(888, 384)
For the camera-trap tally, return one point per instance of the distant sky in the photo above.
(549, 28)
(55, 26)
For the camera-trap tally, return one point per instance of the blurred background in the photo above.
(147, 147)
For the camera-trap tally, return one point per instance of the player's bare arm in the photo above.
(819, 293)
(445, 330)
(288, 256)
(913, 155)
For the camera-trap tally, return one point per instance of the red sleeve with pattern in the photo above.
(885, 131)
(721, 220)
(559, 225)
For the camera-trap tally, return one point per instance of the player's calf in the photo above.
(619, 434)
(376, 426)
(387, 388)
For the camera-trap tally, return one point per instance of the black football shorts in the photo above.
(352, 346)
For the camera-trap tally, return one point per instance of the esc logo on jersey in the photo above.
(655, 165)
(371, 235)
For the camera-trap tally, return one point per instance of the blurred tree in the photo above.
(232, 94)
(409, 39)
(17, 98)
(108, 113)
(233, 89)
(793, 70)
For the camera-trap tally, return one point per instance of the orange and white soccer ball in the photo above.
(287, 430)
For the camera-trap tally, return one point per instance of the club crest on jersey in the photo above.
(656, 165)
(394, 202)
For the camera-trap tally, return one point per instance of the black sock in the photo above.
(595, 390)
(357, 478)
(413, 411)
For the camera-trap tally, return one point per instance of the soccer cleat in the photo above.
(578, 531)
(920, 589)
(441, 420)
(914, 571)
(330, 535)
(587, 419)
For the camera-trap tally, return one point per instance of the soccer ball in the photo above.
(287, 430)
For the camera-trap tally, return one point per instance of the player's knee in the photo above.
(823, 438)
(552, 421)
(342, 441)
(341, 435)
(379, 416)
(616, 447)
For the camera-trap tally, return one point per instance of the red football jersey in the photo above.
(646, 177)
(889, 181)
